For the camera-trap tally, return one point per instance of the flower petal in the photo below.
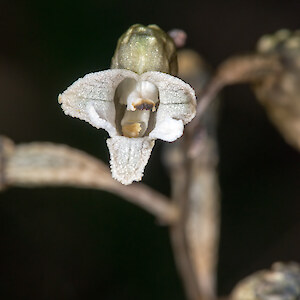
(167, 130)
(177, 105)
(94, 111)
(91, 98)
(175, 96)
(128, 157)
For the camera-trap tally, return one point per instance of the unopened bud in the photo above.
(145, 48)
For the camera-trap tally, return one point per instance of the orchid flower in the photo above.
(135, 101)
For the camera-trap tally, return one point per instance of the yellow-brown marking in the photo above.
(131, 130)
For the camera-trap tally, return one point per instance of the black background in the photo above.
(63, 243)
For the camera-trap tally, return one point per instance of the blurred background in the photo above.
(64, 243)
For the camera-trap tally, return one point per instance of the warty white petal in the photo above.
(95, 90)
(98, 122)
(128, 157)
(177, 99)
(177, 105)
(167, 130)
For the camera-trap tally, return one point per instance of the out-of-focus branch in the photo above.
(204, 220)
(238, 69)
(47, 164)
(195, 184)
(179, 178)
(196, 193)
(196, 234)
(274, 73)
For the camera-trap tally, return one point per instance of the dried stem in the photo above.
(195, 234)
(202, 226)
(192, 163)
(179, 178)
(47, 164)
(237, 69)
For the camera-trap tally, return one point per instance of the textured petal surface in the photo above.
(91, 98)
(168, 130)
(176, 97)
(177, 105)
(128, 157)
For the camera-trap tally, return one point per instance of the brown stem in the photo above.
(238, 69)
(47, 164)
(179, 178)
(192, 162)
(202, 228)
(184, 265)
(195, 234)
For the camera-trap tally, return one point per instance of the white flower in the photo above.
(134, 110)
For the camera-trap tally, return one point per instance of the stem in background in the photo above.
(238, 69)
(192, 162)
(47, 164)
(202, 227)
(179, 179)
(195, 236)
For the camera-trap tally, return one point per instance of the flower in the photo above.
(135, 109)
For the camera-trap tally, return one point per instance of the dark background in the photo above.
(63, 243)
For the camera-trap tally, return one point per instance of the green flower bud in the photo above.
(145, 48)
